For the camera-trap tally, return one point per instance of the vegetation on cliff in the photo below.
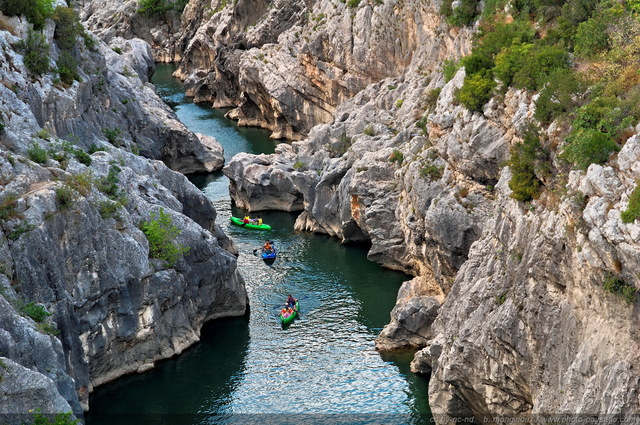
(580, 55)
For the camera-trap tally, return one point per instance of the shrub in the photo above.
(113, 136)
(353, 3)
(465, 14)
(57, 419)
(24, 227)
(475, 92)
(65, 197)
(432, 97)
(432, 172)
(524, 183)
(37, 153)
(81, 182)
(8, 207)
(396, 156)
(538, 64)
(399, 103)
(153, 7)
(36, 11)
(109, 209)
(558, 96)
(592, 37)
(510, 61)
(161, 234)
(369, 130)
(67, 68)
(68, 27)
(587, 146)
(616, 285)
(449, 69)
(35, 311)
(36, 52)
(109, 184)
(299, 165)
(633, 209)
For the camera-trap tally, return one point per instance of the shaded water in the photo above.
(322, 368)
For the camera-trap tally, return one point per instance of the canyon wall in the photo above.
(85, 294)
(507, 305)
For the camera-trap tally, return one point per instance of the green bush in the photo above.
(8, 206)
(37, 153)
(587, 146)
(465, 14)
(538, 64)
(57, 419)
(616, 285)
(396, 156)
(449, 70)
(35, 311)
(161, 234)
(592, 37)
(153, 7)
(524, 183)
(113, 136)
(67, 68)
(353, 3)
(109, 184)
(109, 209)
(68, 27)
(36, 11)
(65, 197)
(432, 172)
(558, 96)
(510, 61)
(633, 209)
(36, 52)
(475, 92)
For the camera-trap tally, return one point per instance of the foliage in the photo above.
(558, 96)
(109, 209)
(8, 206)
(538, 64)
(65, 197)
(353, 3)
(449, 69)
(588, 146)
(112, 135)
(36, 311)
(24, 227)
(475, 92)
(36, 11)
(161, 234)
(396, 156)
(81, 182)
(68, 27)
(95, 148)
(299, 166)
(109, 184)
(633, 209)
(153, 7)
(37, 153)
(67, 68)
(431, 171)
(36, 52)
(57, 419)
(524, 183)
(399, 103)
(616, 285)
(369, 130)
(465, 14)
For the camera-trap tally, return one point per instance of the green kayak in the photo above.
(289, 319)
(238, 222)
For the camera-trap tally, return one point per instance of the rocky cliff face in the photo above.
(507, 301)
(83, 300)
(522, 322)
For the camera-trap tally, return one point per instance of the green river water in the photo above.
(323, 368)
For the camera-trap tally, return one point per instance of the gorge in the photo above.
(489, 150)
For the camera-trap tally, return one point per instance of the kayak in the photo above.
(289, 319)
(270, 256)
(238, 222)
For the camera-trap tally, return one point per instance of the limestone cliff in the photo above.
(507, 301)
(522, 324)
(83, 300)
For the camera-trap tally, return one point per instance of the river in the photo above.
(323, 368)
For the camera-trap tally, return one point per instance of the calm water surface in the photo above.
(322, 368)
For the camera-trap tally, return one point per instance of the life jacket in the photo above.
(246, 219)
(259, 221)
